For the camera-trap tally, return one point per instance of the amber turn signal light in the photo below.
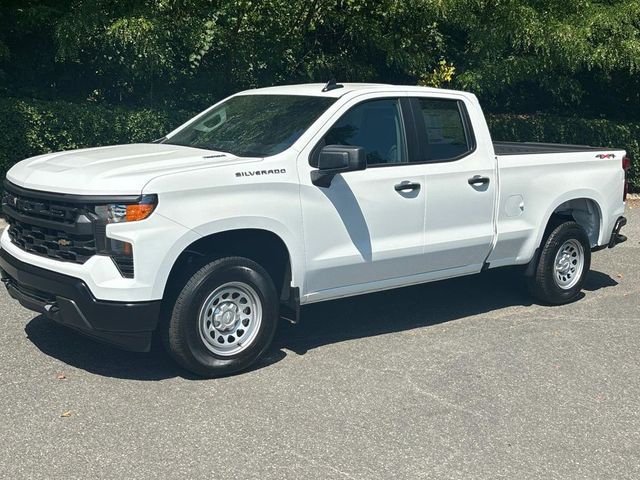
(139, 212)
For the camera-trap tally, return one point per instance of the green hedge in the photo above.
(577, 131)
(32, 127)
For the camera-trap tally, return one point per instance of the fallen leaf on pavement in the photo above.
(66, 414)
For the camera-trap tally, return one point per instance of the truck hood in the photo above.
(114, 170)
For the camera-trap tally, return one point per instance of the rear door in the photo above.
(460, 186)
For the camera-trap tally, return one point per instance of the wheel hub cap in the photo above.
(230, 318)
(225, 316)
(568, 265)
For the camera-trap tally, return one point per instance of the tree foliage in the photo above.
(550, 54)
(557, 56)
(199, 50)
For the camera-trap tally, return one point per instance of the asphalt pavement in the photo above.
(460, 379)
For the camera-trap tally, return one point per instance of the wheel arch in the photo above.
(583, 207)
(263, 246)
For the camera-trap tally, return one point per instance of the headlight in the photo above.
(120, 252)
(117, 213)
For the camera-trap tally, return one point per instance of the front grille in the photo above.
(61, 227)
(49, 227)
(52, 243)
(41, 209)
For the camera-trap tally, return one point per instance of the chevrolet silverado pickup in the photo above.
(279, 197)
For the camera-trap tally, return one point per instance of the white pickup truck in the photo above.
(284, 196)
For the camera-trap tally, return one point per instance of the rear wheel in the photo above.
(563, 265)
(224, 318)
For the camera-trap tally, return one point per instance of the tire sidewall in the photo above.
(194, 299)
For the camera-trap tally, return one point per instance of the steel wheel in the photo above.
(230, 318)
(224, 317)
(568, 264)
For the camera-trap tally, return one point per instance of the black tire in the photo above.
(543, 284)
(182, 329)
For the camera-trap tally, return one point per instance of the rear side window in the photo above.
(375, 125)
(445, 136)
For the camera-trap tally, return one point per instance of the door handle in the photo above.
(407, 186)
(478, 180)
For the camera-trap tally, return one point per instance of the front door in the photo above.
(365, 227)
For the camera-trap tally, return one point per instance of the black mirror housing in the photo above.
(335, 159)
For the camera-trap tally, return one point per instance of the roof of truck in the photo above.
(316, 89)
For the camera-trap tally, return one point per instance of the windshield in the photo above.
(253, 125)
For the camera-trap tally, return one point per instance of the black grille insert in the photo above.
(40, 209)
(52, 243)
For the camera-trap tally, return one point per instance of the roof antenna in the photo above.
(332, 85)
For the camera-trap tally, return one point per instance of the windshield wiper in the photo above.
(213, 148)
(252, 154)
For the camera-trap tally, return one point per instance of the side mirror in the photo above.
(335, 159)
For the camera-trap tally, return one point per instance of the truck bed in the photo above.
(532, 148)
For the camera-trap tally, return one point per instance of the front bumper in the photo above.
(68, 300)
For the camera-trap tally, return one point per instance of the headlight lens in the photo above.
(118, 213)
(121, 252)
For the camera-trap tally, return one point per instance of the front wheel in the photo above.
(563, 265)
(224, 318)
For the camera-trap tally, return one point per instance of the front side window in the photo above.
(446, 137)
(253, 125)
(375, 125)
